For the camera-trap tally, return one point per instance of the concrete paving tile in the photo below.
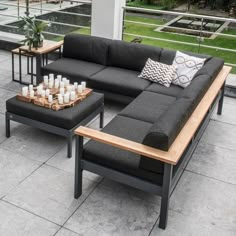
(228, 114)
(4, 96)
(62, 162)
(214, 162)
(49, 193)
(230, 100)
(220, 134)
(17, 222)
(13, 170)
(181, 225)
(15, 127)
(66, 232)
(206, 200)
(111, 211)
(34, 143)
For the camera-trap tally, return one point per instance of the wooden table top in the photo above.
(46, 48)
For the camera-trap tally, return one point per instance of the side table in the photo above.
(39, 53)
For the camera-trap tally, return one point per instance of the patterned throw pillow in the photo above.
(187, 67)
(158, 72)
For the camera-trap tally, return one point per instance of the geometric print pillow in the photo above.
(158, 72)
(187, 67)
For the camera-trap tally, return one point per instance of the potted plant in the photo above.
(33, 28)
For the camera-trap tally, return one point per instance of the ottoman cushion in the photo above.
(66, 118)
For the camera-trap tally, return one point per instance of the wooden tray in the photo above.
(43, 102)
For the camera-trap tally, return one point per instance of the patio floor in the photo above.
(36, 184)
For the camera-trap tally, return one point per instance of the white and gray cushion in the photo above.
(158, 72)
(187, 67)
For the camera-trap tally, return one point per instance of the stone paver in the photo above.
(36, 184)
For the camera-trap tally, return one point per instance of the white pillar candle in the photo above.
(31, 93)
(60, 100)
(39, 90)
(72, 88)
(50, 85)
(31, 87)
(62, 91)
(56, 85)
(66, 98)
(43, 93)
(80, 89)
(68, 88)
(50, 99)
(59, 77)
(47, 92)
(45, 79)
(83, 85)
(51, 76)
(67, 82)
(76, 85)
(64, 79)
(72, 95)
(25, 91)
(62, 84)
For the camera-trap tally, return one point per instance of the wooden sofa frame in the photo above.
(182, 148)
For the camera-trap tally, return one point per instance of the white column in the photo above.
(107, 18)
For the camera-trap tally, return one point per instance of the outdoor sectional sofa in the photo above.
(148, 144)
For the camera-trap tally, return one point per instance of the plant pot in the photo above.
(38, 44)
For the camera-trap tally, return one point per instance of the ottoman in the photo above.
(62, 122)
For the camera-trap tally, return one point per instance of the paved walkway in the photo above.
(36, 184)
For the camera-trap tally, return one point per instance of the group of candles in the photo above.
(67, 92)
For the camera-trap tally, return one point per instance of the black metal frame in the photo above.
(54, 129)
(169, 180)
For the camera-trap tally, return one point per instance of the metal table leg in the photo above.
(38, 68)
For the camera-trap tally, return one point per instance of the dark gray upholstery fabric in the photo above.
(116, 158)
(67, 118)
(173, 90)
(211, 67)
(130, 55)
(167, 127)
(75, 70)
(118, 80)
(86, 48)
(164, 131)
(148, 106)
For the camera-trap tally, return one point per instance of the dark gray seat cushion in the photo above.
(173, 90)
(148, 106)
(86, 48)
(73, 69)
(67, 118)
(130, 55)
(118, 80)
(116, 158)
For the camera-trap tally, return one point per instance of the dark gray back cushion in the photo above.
(131, 56)
(86, 48)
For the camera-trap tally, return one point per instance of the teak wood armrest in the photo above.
(182, 140)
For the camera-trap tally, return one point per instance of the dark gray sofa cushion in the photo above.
(173, 90)
(164, 131)
(118, 80)
(148, 106)
(130, 55)
(62, 118)
(86, 48)
(116, 158)
(73, 69)
(167, 127)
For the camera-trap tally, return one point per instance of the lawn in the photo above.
(148, 30)
(144, 5)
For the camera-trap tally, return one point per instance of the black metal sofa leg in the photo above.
(166, 189)
(7, 125)
(221, 101)
(69, 146)
(78, 169)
